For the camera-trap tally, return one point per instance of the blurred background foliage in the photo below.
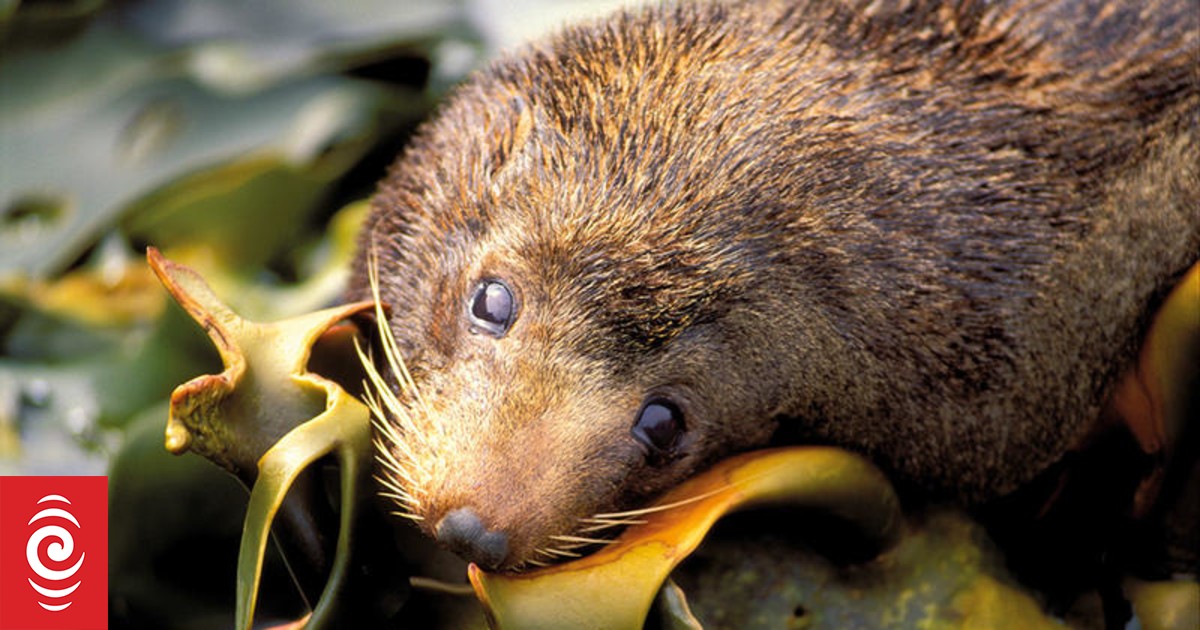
(240, 138)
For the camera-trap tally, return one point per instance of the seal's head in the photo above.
(576, 286)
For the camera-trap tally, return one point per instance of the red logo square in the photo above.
(53, 553)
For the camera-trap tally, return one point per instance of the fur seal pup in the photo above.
(931, 232)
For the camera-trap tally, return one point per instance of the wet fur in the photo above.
(931, 232)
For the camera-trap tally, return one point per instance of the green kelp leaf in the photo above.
(255, 208)
(48, 422)
(113, 291)
(507, 25)
(244, 46)
(38, 23)
(266, 418)
(88, 351)
(8, 8)
(232, 418)
(238, 46)
(84, 355)
(343, 429)
(70, 168)
(97, 66)
(324, 266)
(174, 526)
(674, 611)
(24, 12)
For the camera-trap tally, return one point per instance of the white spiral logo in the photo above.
(59, 550)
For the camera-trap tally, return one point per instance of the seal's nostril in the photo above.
(461, 524)
(463, 532)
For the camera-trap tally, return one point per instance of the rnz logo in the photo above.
(54, 586)
(53, 553)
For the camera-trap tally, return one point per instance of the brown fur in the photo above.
(930, 232)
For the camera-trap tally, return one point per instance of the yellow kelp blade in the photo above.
(1155, 398)
(1166, 605)
(268, 428)
(228, 418)
(615, 587)
(345, 429)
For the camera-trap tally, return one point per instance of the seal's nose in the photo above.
(464, 534)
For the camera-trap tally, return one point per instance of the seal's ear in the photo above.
(510, 135)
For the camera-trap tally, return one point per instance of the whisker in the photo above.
(386, 398)
(393, 437)
(398, 490)
(400, 495)
(383, 452)
(391, 419)
(395, 486)
(402, 498)
(380, 418)
(389, 461)
(600, 528)
(661, 508)
(406, 499)
(438, 586)
(394, 497)
(600, 524)
(388, 431)
(391, 465)
(581, 540)
(609, 520)
(391, 485)
(377, 390)
(390, 348)
(402, 476)
(367, 360)
(564, 554)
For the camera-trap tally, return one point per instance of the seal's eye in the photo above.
(492, 308)
(659, 425)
